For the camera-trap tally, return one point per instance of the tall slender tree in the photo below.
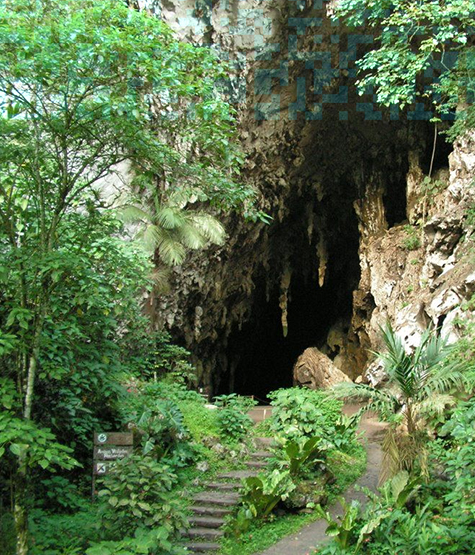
(86, 85)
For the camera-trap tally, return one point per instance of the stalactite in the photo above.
(311, 223)
(284, 298)
(322, 254)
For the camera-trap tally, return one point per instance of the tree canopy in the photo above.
(424, 52)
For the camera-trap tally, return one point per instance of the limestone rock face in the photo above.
(315, 370)
(343, 181)
(430, 280)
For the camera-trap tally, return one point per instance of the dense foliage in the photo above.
(411, 517)
(94, 94)
(424, 50)
(314, 446)
(425, 504)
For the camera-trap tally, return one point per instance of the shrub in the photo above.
(200, 421)
(232, 417)
(145, 542)
(63, 534)
(300, 412)
(138, 493)
(160, 424)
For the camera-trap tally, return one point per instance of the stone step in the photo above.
(224, 486)
(261, 455)
(256, 464)
(202, 547)
(217, 498)
(237, 474)
(263, 441)
(211, 511)
(206, 522)
(205, 533)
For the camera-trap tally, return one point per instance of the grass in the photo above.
(347, 468)
(262, 535)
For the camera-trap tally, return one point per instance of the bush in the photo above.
(138, 493)
(200, 421)
(60, 534)
(232, 417)
(145, 542)
(301, 412)
(160, 424)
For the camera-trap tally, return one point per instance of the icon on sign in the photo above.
(101, 468)
(102, 438)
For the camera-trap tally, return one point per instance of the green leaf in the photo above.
(16, 449)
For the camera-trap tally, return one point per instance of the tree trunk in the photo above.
(20, 511)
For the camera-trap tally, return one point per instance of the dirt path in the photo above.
(304, 541)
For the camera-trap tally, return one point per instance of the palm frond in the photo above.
(171, 252)
(170, 217)
(402, 452)
(130, 213)
(397, 363)
(151, 237)
(379, 401)
(435, 405)
(161, 279)
(191, 237)
(210, 227)
(434, 351)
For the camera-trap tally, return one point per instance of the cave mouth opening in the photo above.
(259, 356)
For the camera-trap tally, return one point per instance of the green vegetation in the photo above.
(315, 456)
(420, 390)
(411, 38)
(412, 240)
(92, 91)
(426, 503)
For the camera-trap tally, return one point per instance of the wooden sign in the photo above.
(109, 447)
(110, 453)
(113, 438)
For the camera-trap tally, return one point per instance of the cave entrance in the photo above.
(259, 357)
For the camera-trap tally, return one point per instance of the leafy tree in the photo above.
(419, 387)
(86, 87)
(412, 37)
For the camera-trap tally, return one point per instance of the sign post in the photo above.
(109, 447)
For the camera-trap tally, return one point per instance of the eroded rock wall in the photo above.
(423, 272)
(341, 180)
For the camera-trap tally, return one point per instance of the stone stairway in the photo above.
(218, 499)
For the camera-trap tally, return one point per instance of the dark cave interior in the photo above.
(257, 357)
(260, 358)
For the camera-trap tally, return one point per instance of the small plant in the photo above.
(233, 424)
(259, 498)
(301, 412)
(232, 418)
(412, 241)
(296, 454)
(345, 529)
(160, 425)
